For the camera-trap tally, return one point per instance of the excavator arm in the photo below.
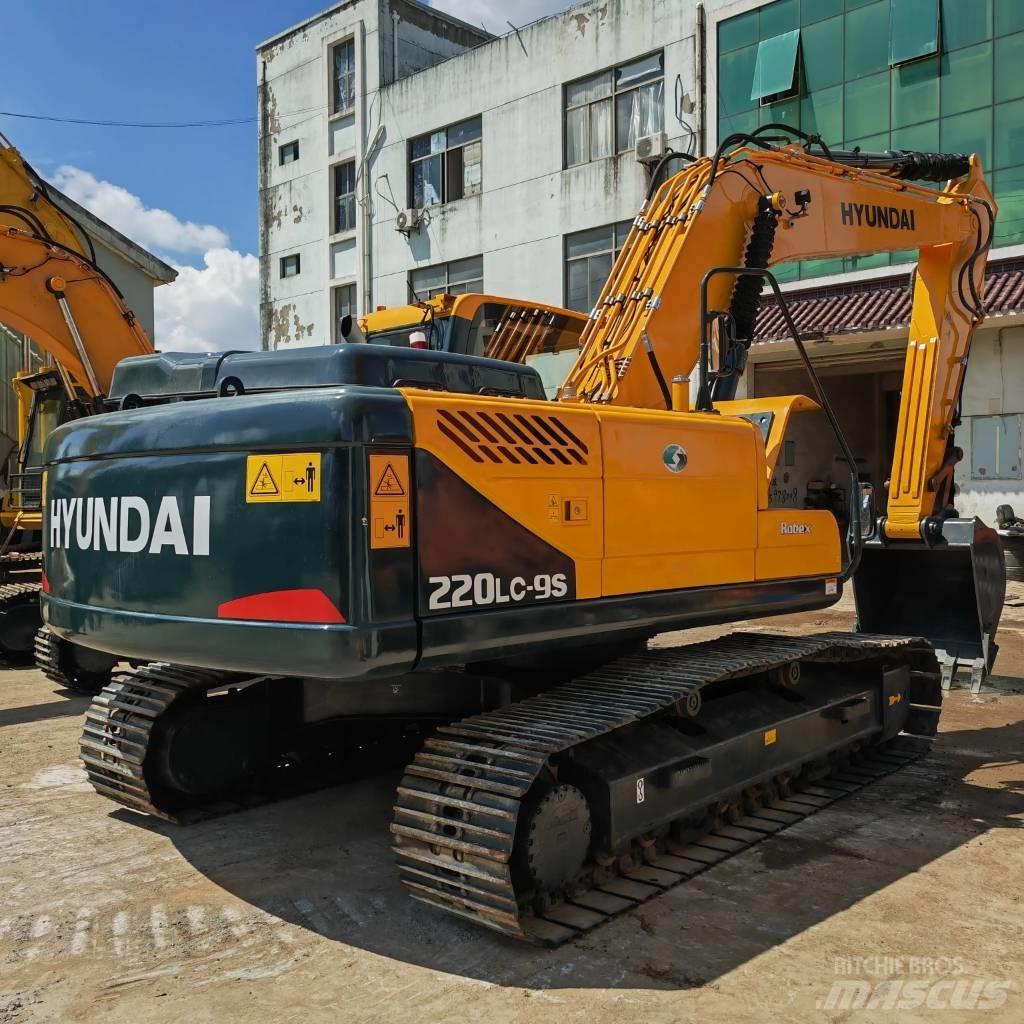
(687, 285)
(757, 208)
(51, 287)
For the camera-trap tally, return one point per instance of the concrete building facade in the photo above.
(321, 125)
(510, 165)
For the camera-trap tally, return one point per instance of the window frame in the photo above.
(286, 261)
(976, 422)
(337, 109)
(567, 260)
(448, 160)
(348, 198)
(779, 42)
(611, 97)
(934, 43)
(446, 267)
(288, 147)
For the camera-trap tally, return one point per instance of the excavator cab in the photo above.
(43, 405)
(544, 337)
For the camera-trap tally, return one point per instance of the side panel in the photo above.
(796, 542)
(539, 463)
(681, 495)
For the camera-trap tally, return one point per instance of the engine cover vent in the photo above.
(518, 438)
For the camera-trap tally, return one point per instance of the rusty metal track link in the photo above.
(459, 801)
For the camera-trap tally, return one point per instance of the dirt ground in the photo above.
(902, 902)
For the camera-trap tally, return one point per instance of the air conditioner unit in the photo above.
(650, 149)
(409, 221)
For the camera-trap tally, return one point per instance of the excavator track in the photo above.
(16, 566)
(71, 666)
(127, 741)
(119, 726)
(19, 619)
(483, 792)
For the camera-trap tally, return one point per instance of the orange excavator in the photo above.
(318, 547)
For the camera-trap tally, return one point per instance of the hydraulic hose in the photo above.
(746, 299)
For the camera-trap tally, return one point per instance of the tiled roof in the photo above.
(877, 305)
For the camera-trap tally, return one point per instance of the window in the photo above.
(290, 265)
(288, 153)
(455, 278)
(343, 62)
(345, 197)
(913, 30)
(606, 113)
(446, 165)
(995, 447)
(775, 69)
(589, 256)
(344, 305)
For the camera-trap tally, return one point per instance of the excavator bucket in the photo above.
(950, 592)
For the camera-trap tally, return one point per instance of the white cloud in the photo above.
(149, 226)
(207, 309)
(212, 308)
(494, 15)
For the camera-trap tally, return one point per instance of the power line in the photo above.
(132, 124)
(219, 123)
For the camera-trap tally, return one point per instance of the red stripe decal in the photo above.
(283, 606)
(44, 581)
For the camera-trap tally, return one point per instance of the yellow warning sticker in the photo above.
(770, 736)
(390, 507)
(291, 477)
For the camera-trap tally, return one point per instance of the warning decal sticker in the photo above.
(264, 485)
(291, 477)
(389, 486)
(390, 510)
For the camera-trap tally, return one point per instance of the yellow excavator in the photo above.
(54, 293)
(335, 552)
(542, 336)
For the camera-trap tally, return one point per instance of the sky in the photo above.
(188, 195)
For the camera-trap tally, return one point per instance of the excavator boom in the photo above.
(51, 287)
(766, 207)
(53, 290)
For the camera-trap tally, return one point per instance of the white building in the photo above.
(322, 122)
(509, 165)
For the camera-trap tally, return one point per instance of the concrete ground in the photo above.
(902, 902)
